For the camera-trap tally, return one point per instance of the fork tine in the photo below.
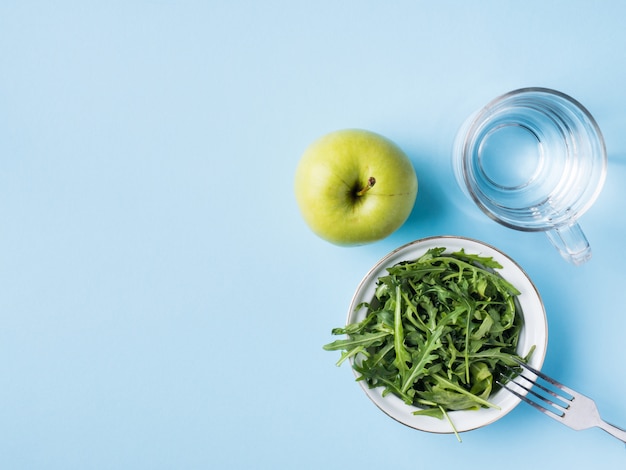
(550, 380)
(528, 400)
(558, 407)
(562, 402)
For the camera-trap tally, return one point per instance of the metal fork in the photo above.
(559, 402)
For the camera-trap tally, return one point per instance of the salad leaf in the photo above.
(438, 332)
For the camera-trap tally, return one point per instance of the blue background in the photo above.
(162, 303)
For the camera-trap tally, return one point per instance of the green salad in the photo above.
(438, 332)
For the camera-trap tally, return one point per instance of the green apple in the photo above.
(355, 187)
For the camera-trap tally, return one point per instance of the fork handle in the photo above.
(613, 430)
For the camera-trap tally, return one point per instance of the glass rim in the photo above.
(477, 122)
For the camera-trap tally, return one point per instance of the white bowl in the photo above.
(534, 333)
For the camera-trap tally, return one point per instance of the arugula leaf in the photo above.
(438, 332)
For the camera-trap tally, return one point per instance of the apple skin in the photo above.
(354, 187)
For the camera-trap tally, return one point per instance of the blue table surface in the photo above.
(163, 304)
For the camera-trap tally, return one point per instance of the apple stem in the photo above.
(371, 181)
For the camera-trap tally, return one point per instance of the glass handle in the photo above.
(571, 243)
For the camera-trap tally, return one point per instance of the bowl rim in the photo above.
(534, 330)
